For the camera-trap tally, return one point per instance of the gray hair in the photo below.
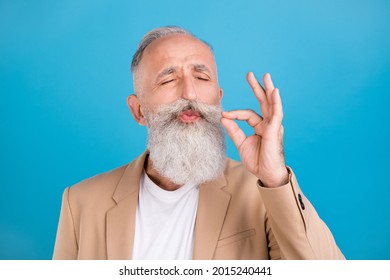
(154, 35)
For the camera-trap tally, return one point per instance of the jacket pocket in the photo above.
(236, 237)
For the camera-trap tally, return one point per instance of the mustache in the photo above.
(170, 112)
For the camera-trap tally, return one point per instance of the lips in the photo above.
(189, 116)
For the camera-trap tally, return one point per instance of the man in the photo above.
(182, 199)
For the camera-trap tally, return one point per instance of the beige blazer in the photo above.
(236, 219)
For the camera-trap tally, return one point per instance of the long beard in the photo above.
(186, 152)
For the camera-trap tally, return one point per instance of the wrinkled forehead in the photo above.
(178, 48)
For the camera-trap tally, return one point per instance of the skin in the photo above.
(180, 66)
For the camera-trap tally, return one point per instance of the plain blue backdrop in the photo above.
(64, 79)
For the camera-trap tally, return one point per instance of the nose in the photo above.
(188, 89)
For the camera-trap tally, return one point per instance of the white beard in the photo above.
(186, 152)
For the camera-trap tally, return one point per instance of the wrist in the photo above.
(277, 179)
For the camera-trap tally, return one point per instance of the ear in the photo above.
(135, 109)
(220, 94)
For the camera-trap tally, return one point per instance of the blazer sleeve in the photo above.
(296, 229)
(66, 247)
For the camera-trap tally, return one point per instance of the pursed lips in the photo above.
(189, 116)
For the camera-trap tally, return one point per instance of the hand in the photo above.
(262, 153)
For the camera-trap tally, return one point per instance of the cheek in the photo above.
(165, 95)
(210, 95)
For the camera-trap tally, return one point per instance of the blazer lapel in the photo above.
(120, 220)
(212, 207)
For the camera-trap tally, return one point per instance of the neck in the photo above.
(158, 179)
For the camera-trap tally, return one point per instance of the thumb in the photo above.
(234, 131)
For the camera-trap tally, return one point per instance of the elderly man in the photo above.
(182, 198)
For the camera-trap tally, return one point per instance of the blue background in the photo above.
(64, 79)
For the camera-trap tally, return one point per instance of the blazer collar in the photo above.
(129, 183)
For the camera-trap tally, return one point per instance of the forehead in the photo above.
(173, 50)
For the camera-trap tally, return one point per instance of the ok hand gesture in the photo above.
(262, 153)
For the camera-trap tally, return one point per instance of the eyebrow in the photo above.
(171, 69)
(165, 72)
(201, 68)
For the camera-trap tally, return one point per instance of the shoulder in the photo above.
(100, 189)
(96, 187)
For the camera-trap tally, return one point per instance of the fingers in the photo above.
(249, 116)
(273, 125)
(234, 131)
(270, 105)
(259, 93)
(269, 97)
(253, 119)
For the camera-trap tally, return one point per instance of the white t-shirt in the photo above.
(165, 221)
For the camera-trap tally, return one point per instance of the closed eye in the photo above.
(166, 82)
(202, 79)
